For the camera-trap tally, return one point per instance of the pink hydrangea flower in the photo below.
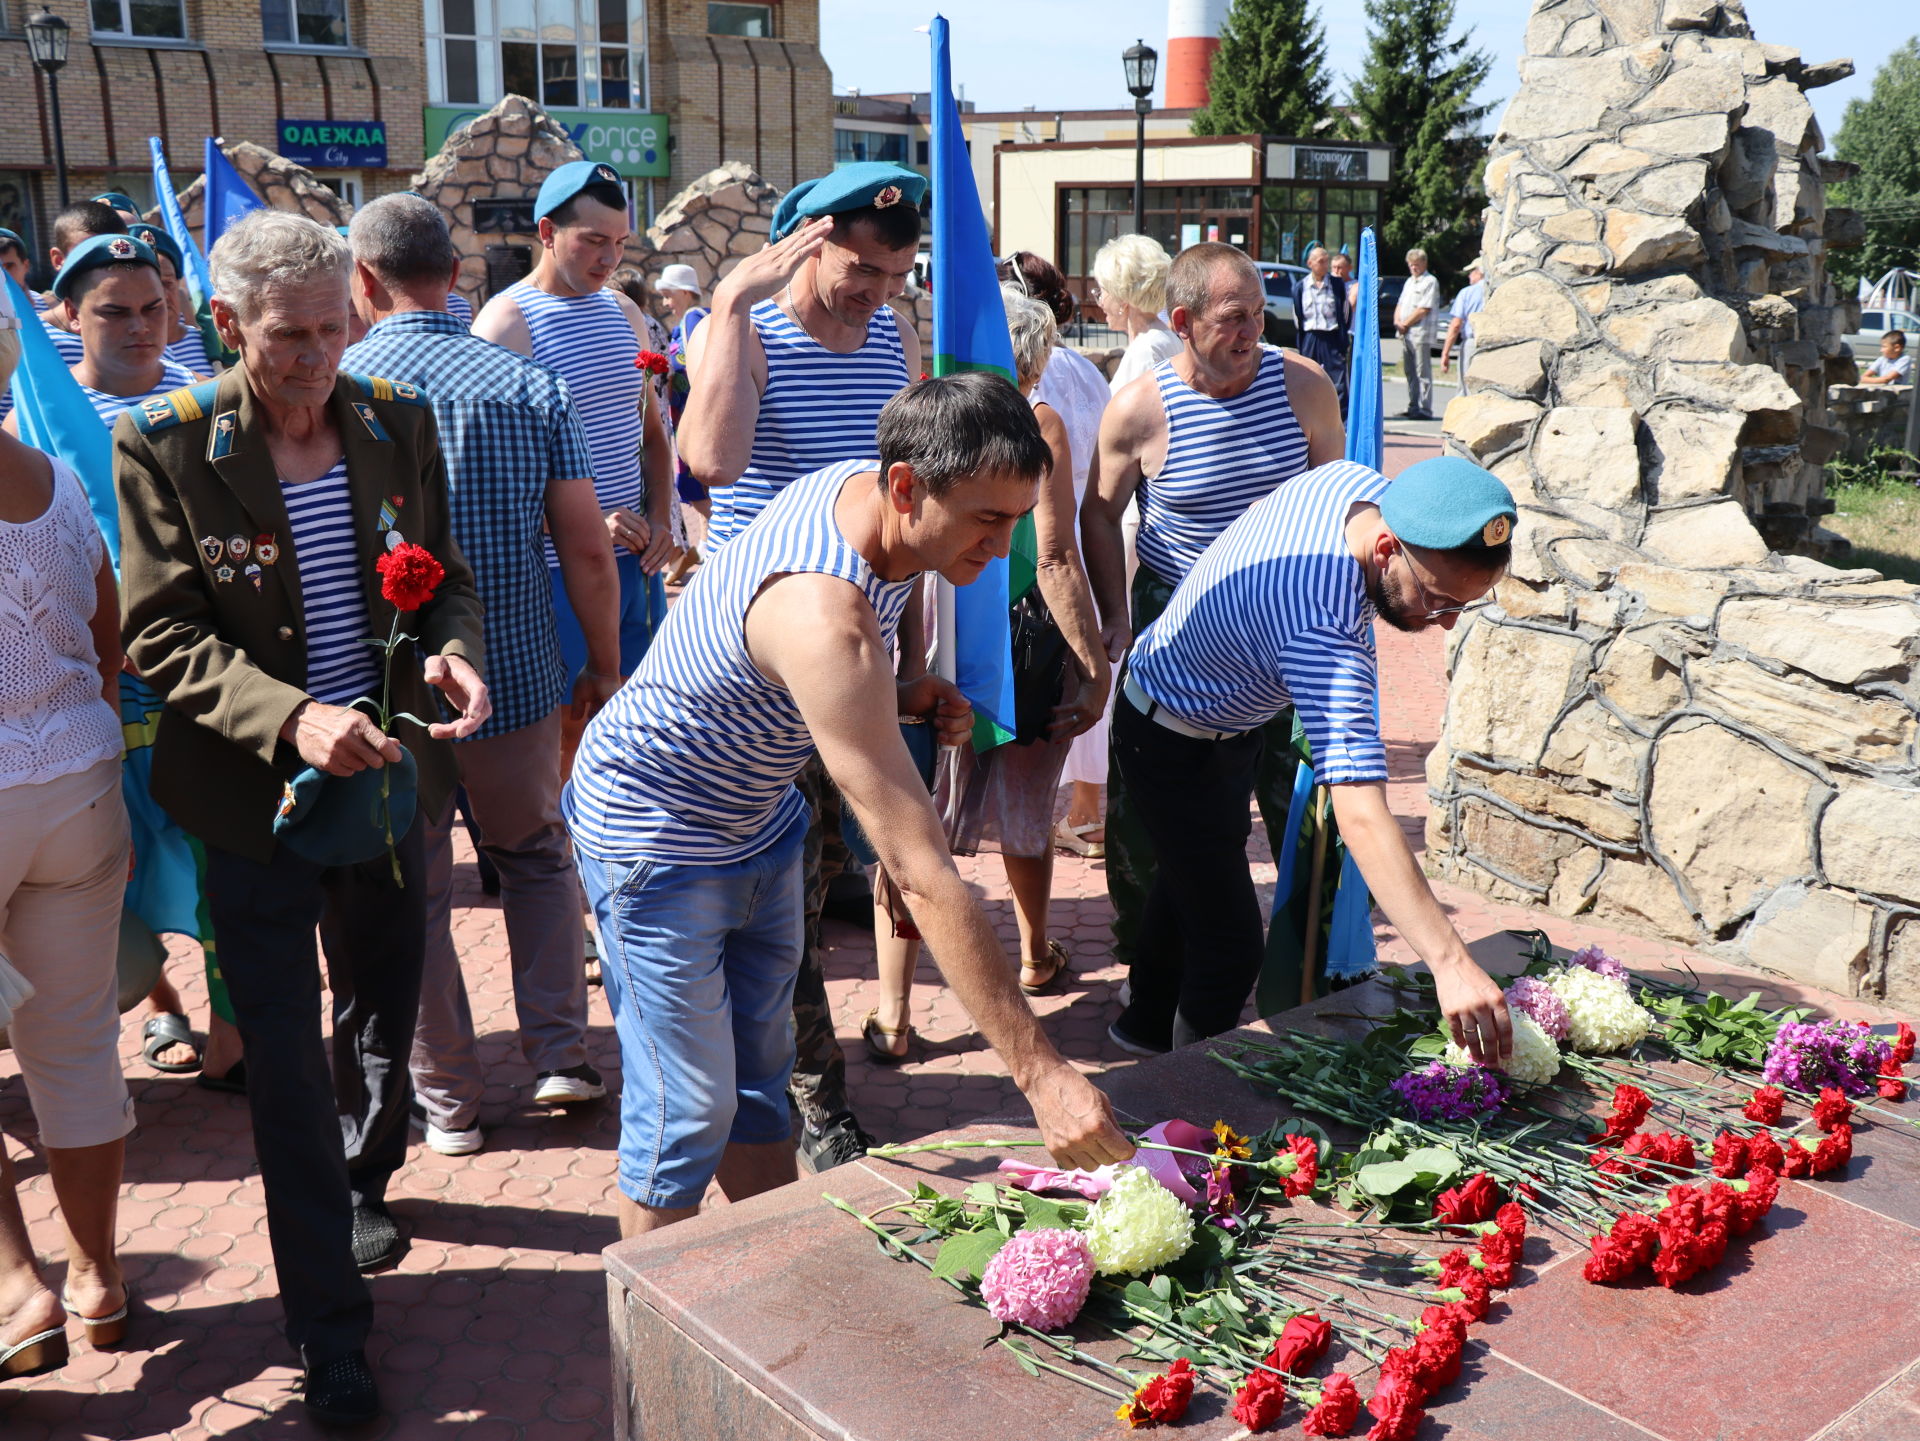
(1039, 1278)
(1537, 999)
(1594, 959)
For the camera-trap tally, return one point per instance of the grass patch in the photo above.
(1878, 509)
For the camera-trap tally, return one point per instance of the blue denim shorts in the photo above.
(643, 605)
(698, 963)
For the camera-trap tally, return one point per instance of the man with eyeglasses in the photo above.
(1278, 614)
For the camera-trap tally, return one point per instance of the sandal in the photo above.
(876, 1036)
(1073, 839)
(103, 1330)
(35, 1356)
(233, 1080)
(169, 1028)
(1055, 967)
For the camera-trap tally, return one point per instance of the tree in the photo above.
(1416, 94)
(1881, 135)
(1270, 73)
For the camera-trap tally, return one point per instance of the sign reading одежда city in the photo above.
(335, 144)
(633, 142)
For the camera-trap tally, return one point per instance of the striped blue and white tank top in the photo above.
(341, 666)
(190, 352)
(459, 309)
(1222, 456)
(819, 407)
(693, 762)
(110, 407)
(67, 345)
(1276, 614)
(587, 341)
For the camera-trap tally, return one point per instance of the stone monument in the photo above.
(1672, 715)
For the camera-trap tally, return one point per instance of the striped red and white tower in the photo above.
(1193, 34)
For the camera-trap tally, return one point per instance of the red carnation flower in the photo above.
(1763, 1150)
(1476, 1296)
(1512, 1221)
(1834, 1151)
(1750, 1206)
(651, 360)
(1301, 1344)
(1831, 1109)
(1306, 1154)
(1260, 1400)
(1665, 1148)
(1499, 1253)
(1766, 1105)
(409, 575)
(1630, 1108)
(1903, 1044)
(1396, 1399)
(1799, 1157)
(1453, 1265)
(1161, 1398)
(1338, 1409)
(1463, 1205)
(1729, 1154)
(1891, 1084)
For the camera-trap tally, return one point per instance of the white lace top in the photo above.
(53, 719)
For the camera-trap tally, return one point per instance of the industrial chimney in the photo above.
(1193, 34)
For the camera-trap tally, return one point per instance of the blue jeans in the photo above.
(698, 963)
(643, 605)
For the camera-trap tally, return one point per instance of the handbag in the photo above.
(1040, 662)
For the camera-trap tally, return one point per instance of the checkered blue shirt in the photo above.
(507, 428)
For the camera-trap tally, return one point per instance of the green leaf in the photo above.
(1436, 1165)
(1162, 1287)
(981, 1193)
(923, 1192)
(1143, 1296)
(1386, 1178)
(1021, 1359)
(1043, 1214)
(965, 1254)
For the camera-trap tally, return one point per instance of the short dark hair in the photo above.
(604, 191)
(1493, 559)
(898, 226)
(1190, 278)
(632, 283)
(1041, 279)
(1899, 335)
(84, 218)
(960, 425)
(7, 242)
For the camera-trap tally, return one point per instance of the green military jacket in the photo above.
(210, 590)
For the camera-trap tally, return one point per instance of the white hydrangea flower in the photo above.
(1602, 1014)
(1535, 1059)
(1137, 1225)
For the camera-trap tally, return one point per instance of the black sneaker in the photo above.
(842, 1141)
(569, 1087)
(376, 1240)
(341, 1391)
(1131, 1046)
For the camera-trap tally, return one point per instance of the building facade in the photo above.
(338, 85)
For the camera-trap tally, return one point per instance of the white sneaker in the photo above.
(568, 1087)
(453, 1143)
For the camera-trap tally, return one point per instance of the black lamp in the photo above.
(1140, 60)
(47, 36)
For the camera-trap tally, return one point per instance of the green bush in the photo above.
(1886, 468)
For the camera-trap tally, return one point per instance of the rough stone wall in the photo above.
(280, 182)
(1663, 718)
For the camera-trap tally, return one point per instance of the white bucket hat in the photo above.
(678, 277)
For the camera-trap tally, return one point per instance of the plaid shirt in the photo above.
(507, 429)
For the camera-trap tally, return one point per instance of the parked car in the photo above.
(1877, 322)
(1280, 280)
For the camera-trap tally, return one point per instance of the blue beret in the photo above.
(162, 243)
(568, 181)
(117, 200)
(1448, 503)
(12, 237)
(98, 250)
(336, 820)
(851, 187)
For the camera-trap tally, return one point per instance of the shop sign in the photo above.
(633, 142)
(335, 144)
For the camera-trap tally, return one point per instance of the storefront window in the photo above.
(567, 53)
(1177, 216)
(1295, 218)
(852, 146)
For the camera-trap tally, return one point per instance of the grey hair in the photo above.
(403, 239)
(265, 249)
(1317, 250)
(1417, 254)
(1031, 327)
(1190, 280)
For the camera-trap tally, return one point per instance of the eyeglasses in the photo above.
(1433, 612)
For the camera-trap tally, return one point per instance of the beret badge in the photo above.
(1496, 531)
(120, 248)
(888, 195)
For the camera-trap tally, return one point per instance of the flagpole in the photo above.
(943, 635)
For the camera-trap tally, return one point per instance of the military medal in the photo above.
(224, 574)
(237, 547)
(253, 574)
(212, 549)
(266, 549)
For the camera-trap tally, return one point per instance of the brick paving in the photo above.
(493, 1327)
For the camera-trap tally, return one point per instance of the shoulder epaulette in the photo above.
(380, 388)
(160, 412)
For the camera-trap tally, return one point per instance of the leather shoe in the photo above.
(376, 1237)
(341, 1391)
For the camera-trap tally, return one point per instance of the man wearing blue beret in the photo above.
(1278, 615)
(803, 322)
(186, 346)
(80, 221)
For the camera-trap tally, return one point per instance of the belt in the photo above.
(1161, 716)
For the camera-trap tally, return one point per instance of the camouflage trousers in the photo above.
(818, 1089)
(1130, 858)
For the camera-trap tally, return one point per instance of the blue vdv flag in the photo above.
(55, 416)
(228, 196)
(969, 333)
(199, 279)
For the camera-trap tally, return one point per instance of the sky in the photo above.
(1065, 54)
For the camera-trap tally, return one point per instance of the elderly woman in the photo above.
(252, 511)
(1130, 280)
(1061, 682)
(63, 863)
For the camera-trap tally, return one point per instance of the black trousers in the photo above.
(326, 1138)
(1329, 348)
(1201, 937)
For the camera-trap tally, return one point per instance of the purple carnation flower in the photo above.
(1596, 960)
(1439, 1092)
(1536, 998)
(1805, 1056)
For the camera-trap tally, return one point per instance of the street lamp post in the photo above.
(1140, 61)
(47, 36)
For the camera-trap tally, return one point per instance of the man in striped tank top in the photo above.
(1278, 616)
(1202, 437)
(789, 374)
(564, 317)
(689, 827)
(79, 222)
